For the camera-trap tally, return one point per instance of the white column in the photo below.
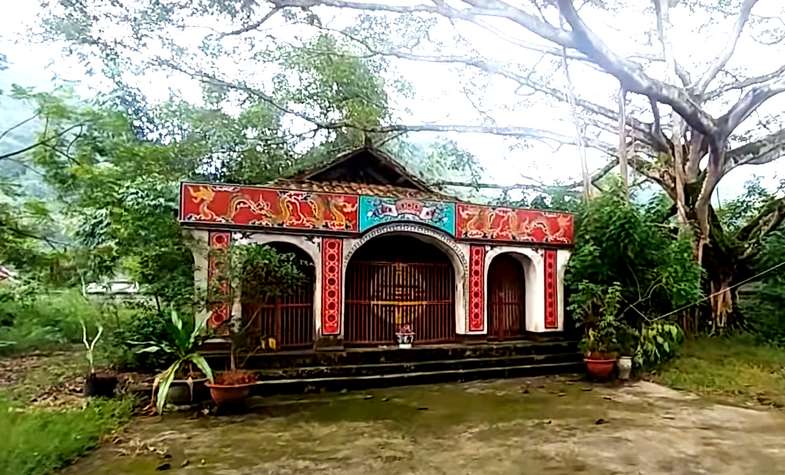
(562, 259)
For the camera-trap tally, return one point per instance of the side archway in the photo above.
(529, 266)
(289, 320)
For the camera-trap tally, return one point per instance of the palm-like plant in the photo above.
(184, 336)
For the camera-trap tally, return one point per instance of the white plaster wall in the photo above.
(200, 246)
(562, 259)
(458, 253)
(311, 245)
(534, 275)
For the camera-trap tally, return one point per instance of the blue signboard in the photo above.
(375, 210)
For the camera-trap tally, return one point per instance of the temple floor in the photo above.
(544, 425)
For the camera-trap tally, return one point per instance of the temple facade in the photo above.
(382, 250)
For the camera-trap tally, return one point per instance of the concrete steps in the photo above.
(358, 368)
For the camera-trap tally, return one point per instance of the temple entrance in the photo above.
(506, 298)
(287, 320)
(398, 280)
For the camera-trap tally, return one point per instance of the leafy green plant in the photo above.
(628, 340)
(658, 343)
(183, 339)
(619, 242)
(600, 339)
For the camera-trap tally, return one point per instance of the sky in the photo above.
(438, 97)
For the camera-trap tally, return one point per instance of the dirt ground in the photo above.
(556, 425)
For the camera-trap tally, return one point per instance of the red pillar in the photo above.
(332, 289)
(476, 288)
(218, 285)
(551, 291)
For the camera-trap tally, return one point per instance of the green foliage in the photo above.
(617, 243)
(659, 342)
(734, 214)
(46, 320)
(628, 264)
(763, 303)
(136, 322)
(601, 338)
(39, 441)
(182, 339)
(266, 273)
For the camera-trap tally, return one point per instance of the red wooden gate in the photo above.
(506, 298)
(380, 296)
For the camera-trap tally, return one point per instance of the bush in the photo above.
(67, 434)
(763, 306)
(631, 249)
(47, 320)
(139, 323)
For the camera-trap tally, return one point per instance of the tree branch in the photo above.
(252, 26)
(748, 103)
(39, 143)
(632, 76)
(744, 83)
(752, 233)
(728, 50)
(759, 152)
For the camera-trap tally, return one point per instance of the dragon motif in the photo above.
(240, 201)
(290, 212)
(339, 208)
(515, 225)
(203, 196)
(478, 221)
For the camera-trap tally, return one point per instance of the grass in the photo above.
(40, 438)
(38, 441)
(734, 369)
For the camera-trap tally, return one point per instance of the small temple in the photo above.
(384, 249)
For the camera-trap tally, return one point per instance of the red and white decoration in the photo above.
(332, 252)
(551, 291)
(476, 288)
(217, 278)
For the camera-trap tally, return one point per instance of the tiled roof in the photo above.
(360, 189)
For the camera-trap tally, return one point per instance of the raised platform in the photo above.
(357, 368)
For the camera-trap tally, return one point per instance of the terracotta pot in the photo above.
(227, 395)
(100, 385)
(600, 368)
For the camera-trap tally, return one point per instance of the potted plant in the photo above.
(234, 386)
(183, 339)
(267, 275)
(404, 335)
(628, 343)
(96, 384)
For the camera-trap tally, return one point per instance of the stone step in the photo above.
(391, 354)
(305, 372)
(338, 383)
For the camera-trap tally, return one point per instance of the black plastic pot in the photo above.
(100, 385)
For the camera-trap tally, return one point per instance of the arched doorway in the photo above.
(394, 280)
(506, 298)
(287, 320)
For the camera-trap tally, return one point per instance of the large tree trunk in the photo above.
(724, 267)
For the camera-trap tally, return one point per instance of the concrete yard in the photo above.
(549, 425)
